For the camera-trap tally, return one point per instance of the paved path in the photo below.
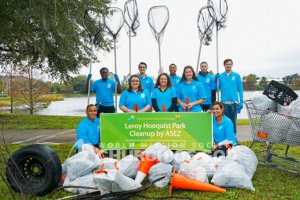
(56, 136)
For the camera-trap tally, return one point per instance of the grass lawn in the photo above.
(26, 121)
(269, 183)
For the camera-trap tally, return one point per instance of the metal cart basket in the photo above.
(272, 128)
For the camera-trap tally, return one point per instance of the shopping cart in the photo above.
(272, 128)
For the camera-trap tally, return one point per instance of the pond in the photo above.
(76, 106)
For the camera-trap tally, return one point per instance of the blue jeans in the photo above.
(230, 110)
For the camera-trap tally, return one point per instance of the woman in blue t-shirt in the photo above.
(164, 95)
(223, 131)
(135, 98)
(190, 92)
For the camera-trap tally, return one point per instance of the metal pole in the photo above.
(91, 58)
(217, 48)
(199, 53)
(159, 58)
(115, 57)
(129, 51)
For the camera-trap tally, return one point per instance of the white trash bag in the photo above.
(159, 152)
(179, 158)
(261, 101)
(128, 166)
(232, 174)
(193, 171)
(277, 133)
(210, 164)
(295, 108)
(86, 181)
(82, 163)
(244, 156)
(107, 163)
(114, 181)
(159, 170)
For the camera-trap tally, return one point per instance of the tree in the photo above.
(250, 82)
(29, 89)
(262, 83)
(49, 34)
(287, 80)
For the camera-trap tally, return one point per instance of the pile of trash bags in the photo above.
(111, 175)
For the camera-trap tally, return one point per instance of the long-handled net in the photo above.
(221, 10)
(205, 23)
(131, 16)
(114, 22)
(158, 18)
(92, 24)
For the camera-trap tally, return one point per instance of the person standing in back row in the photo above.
(105, 89)
(190, 92)
(230, 84)
(208, 82)
(175, 80)
(146, 81)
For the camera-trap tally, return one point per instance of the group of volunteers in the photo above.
(189, 93)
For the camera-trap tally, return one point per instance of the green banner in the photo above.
(178, 131)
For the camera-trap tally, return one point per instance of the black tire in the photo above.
(34, 169)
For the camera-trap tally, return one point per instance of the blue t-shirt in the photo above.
(88, 132)
(208, 83)
(194, 91)
(104, 92)
(175, 80)
(231, 87)
(223, 131)
(129, 99)
(147, 83)
(164, 97)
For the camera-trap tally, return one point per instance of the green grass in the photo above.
(26, 121)
(269, 183)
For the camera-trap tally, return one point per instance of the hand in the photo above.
(183, 105)
(89, 77)
(99, 152)
(117, 78)
(240, 107)
(209, 111)
(214, 147)
(217, 75)
(190, 105)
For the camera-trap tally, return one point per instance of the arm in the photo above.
(122, 103)
(213, 89)
(148, 102)
(241, 96)
(201, 95)
(81, 136)
(119, 89)
(229, 132)
(126, 110)
(173, 105)
(147, 107)
(154, 104)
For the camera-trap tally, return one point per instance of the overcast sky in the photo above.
(262, 37)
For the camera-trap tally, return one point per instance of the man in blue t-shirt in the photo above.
(230, 84)
(105, 89)
(175, 80)
(146, 81)
(208, 82)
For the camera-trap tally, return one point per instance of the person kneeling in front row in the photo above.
(223, 130)
(88, 130)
